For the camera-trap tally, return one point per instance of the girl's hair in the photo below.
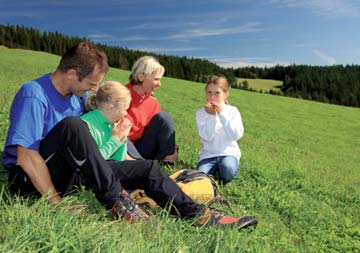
(145, 65)
(221, 82)
(109, 92)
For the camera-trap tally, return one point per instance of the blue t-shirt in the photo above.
(36, 109)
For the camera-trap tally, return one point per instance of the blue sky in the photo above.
(231, 33)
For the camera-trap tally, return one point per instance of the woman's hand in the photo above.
(121, 129)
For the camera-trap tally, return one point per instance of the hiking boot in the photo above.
(213, 218)
(126, 208)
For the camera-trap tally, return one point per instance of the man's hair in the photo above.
(146, 65)
(84, 57)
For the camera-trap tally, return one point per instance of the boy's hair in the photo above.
(109, 92)
(219, 81)
(84, 57)
(145, 65)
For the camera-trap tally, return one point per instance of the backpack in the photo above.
(199, 186)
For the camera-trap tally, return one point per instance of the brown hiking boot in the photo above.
(213, 218)
(126, 208)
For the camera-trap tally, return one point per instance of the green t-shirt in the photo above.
(101, 130)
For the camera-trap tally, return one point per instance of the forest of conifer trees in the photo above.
(336, 84)
(192, 69)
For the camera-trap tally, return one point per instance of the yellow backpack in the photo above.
(199, 186)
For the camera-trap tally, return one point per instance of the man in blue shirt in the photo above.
(37, 107)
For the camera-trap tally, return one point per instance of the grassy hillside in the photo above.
(261, 84)
(299, 175)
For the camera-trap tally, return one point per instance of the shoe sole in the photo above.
(248, 224)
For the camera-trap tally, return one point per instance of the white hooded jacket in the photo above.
(219, 133)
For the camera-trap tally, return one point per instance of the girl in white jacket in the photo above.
(220, 127)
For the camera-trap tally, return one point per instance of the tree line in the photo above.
(336, 84)
(192, 69)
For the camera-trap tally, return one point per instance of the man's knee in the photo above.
(74, 127)
(73, 122)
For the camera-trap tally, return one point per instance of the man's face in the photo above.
(90, 82)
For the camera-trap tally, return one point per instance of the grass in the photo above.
(299, 175)
(264, 85)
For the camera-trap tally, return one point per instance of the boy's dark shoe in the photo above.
(218, 220)
(126, 208)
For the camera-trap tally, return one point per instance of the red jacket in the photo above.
(140, 112)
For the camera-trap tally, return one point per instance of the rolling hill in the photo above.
(299, 174)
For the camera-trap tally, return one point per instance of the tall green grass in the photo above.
(299, 175)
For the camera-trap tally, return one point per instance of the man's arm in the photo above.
(35, 167)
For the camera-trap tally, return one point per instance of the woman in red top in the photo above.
(153, 131)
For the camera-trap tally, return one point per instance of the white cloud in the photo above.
(197, 33)
(343, 8)
(161, 25)
(137, 38)
(101, 36)
(167, 49)
(22, 14)
(104, 37)
(323, 56)
(305, 45)
(248, 61)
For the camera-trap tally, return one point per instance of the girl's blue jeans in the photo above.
(228, 167)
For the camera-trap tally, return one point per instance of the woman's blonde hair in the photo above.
(145, 65)
(109, 92)
(221, 82)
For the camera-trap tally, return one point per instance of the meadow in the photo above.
(299, 175)
(264, 85)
